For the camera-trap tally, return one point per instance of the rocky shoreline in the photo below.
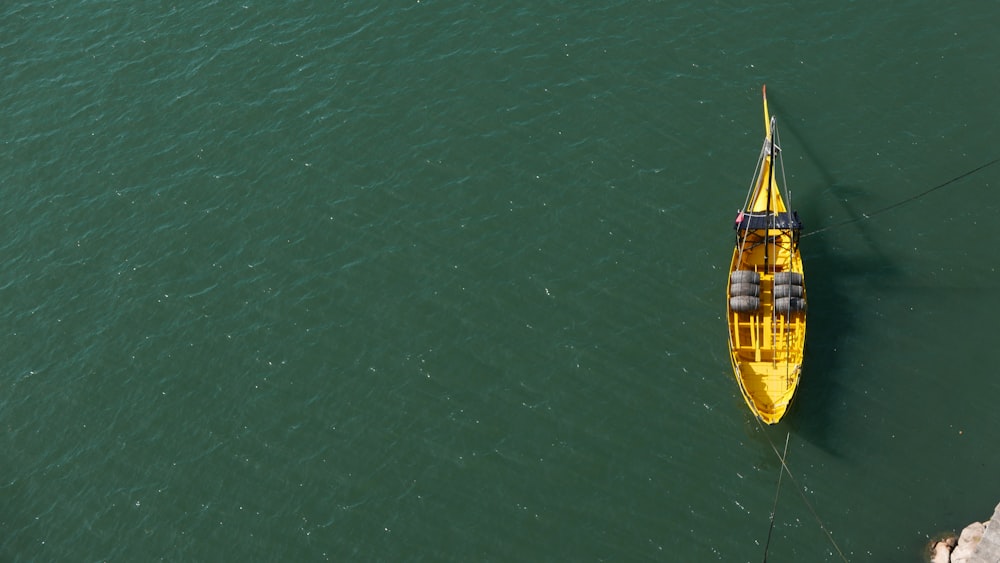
(979, 542)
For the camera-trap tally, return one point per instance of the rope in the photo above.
(750, 193)
(905, 201)
(774, 507)
(802, 491)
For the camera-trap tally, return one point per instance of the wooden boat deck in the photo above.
(766, 351)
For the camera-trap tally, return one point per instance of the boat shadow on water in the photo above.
(837, 279)
(839, 272)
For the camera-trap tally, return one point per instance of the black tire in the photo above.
(789, 304)
(788, 278)
(786, 290)
(744, 303)
(744, 276)
(751, 289)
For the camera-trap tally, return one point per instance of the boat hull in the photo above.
(766, 293)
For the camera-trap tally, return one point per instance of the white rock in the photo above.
(941, 551)
(967, 543)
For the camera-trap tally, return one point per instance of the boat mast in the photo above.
(770, 171)
(770, 179)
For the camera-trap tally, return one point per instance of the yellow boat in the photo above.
(766, 293)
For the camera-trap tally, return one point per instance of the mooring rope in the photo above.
(910, 199)
(801, 491)
(774, 507)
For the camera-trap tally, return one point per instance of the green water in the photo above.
(443, 281)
